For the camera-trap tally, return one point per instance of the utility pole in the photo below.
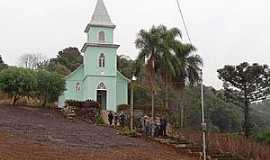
(203, 119)
(153, 113)
(132, 103)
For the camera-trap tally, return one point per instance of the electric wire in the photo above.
(183, 20)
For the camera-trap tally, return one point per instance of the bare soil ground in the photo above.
(42, 134)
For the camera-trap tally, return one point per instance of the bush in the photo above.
(264, 137)
(232, 143)
(83, 104)
(99, 120)
(18, 83)
(49, 86)
(41, 85)
(128, 132)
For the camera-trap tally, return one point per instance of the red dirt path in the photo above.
(41, 134)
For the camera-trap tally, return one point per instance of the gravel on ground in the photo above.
(43, 134)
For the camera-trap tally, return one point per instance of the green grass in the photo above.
(264, 137)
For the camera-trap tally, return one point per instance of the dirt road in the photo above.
(41, 134)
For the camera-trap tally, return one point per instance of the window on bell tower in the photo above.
(101, 60)
(101, 36)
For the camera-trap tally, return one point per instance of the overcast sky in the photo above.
(224, 31)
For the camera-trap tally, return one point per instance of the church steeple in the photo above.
(100, 17)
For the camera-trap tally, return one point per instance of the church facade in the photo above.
(98, 78)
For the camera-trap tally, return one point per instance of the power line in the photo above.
(183, 20)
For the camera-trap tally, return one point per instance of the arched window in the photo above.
(101, 36)
(101, 60)
(101, 86)
(78, 87)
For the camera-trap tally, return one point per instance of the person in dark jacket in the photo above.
(122, 119)
(116, 117)
(110, 118)
(163, 126)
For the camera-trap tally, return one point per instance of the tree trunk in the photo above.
(246, 119)
(153, 111)
(153, 105)
(181, 108)
(15, 99)
(179, 115)
(44, 102)
(166, 93)
(246, 126)
(182, 116)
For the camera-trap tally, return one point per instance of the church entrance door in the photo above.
(102, 98)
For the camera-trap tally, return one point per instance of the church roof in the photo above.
(122, 76)
(101, 16)
(103, 45)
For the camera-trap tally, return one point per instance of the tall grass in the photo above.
(234, 144)
(24, 101)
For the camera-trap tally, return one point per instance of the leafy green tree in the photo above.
(53, 66)
(187, 67)
(166, 67)
(66, 62)
(165, 58)
(49, 86)
(262, 110)
(126, 66)
(221, 116)
(149, 43)
(70, 57)
(17, 83)
(249, 83)
(187, 64)
(264, 137)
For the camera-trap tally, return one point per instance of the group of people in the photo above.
(116, 119)
(154, 128)
(149, 127)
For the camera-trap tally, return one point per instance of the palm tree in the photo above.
(166, 66)
(187, 66)
(149, 43)
(161, 52)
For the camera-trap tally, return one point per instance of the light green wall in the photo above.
(71, 82)
(90, 90)
(121, 90)
(92, 36)
(91, 59)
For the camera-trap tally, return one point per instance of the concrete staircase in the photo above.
(195, 150)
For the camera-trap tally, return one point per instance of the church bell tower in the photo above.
(100, 51)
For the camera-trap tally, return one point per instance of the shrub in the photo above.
(264, 137)
(41, 85)
(128, 132)
(83, 104)
(49, 86)
(18, 83)
(232, 143)
(99, 120)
